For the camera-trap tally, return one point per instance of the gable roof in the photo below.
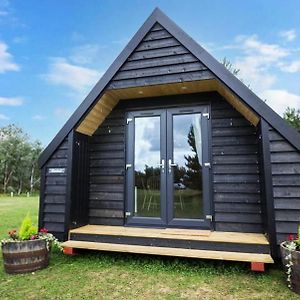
(225, 76)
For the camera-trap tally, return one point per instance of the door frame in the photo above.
(165, 220)
(129, 184)
(206, 178)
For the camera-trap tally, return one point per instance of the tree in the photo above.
(292, 116)
(18, 159)
(35, 152)
(229, 66)
(194, 173)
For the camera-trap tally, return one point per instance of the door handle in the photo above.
(162, 165)
(171, 165)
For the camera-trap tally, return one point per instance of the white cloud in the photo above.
(279, 100)
(3, 117)
(267, 52)
(293, 67)
(253, 73)
(6, 60)
(62, 113)
(85, 54)
(256, 61)
(122, 41)
(13, 101)
(288, 35)
(38, 117)
(259, 63)
(79, 79)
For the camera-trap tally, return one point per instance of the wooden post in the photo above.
(257, 266)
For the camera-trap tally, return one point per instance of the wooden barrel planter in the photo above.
(25, 256)
(295, 268)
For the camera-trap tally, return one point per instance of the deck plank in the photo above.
(178, 252)
(169, 233)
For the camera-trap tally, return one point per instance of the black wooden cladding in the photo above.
(106, 171)
(53, 193)
(80, 181)
(173, 243)
(236, 181)
(236, 186)
(159, 59)
(285, 162)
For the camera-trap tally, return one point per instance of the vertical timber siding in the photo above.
(79, 187)
(54, 192)
(159, 59)
(236, 187)
(107, 161)
(285, 162)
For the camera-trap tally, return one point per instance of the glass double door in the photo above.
(167, 168)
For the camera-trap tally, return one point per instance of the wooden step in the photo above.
(170, 233)
(179, 252)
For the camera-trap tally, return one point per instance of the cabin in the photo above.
(170, 154)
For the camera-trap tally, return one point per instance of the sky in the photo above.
(53, 52)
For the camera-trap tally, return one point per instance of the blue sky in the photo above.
(53, 52)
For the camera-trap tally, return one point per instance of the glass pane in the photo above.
(187, 154)
(146, 169)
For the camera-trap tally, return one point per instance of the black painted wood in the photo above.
(235, 171)
(159, 59)
(235, 168)
(53, 194)
(80, 181)
(285, 167)
(174, 243)
(266, 187)
(106, 171)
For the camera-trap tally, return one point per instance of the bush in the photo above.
(27, 230)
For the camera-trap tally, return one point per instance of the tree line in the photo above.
(19, 170)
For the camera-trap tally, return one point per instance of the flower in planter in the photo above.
(290, 250)
(29, 232)
(36, 244)
(43, 230)
(13, 234)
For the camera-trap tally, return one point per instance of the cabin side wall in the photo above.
(107, 161)
(53, 195)
(235, 170)
(285, 164)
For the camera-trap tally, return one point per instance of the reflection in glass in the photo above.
(187, 175)
(146, 170)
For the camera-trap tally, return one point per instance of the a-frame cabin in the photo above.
(171, 154)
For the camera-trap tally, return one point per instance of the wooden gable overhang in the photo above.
(105, 104)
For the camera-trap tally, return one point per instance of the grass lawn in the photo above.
(95, 275)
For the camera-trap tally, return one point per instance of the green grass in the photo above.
(96, 275)
(188, 203)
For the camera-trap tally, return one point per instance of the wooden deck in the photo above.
(233, 246)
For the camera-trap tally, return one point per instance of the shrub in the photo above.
(27, 230)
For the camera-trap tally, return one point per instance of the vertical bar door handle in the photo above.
(162, 165)
(171, 165)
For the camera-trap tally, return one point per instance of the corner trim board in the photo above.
(69, 182)
(268, 186)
